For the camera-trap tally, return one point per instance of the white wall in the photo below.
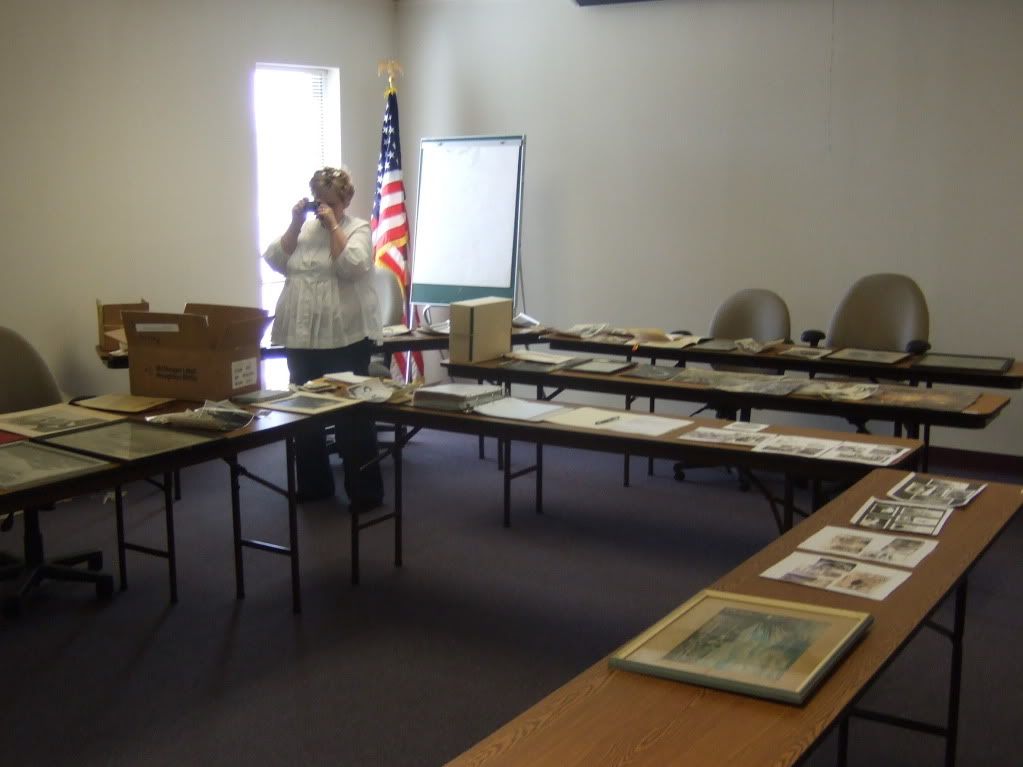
(677, 150)
(128, 152)
(680, 149)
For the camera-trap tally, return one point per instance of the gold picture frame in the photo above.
(767, 648)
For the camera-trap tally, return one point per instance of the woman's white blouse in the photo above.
(325, 304)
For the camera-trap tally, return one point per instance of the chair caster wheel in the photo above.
(680, 473)
(105, 588)
(95, 562)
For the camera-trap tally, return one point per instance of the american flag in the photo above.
(389, 221)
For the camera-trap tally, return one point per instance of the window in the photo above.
(297, 116)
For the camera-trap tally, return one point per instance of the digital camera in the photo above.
(312, 206)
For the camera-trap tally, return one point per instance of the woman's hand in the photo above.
(298, 213)
(326, 217)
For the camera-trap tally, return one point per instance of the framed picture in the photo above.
(25, 464)
(308, 404)
(868, 355)
(767, 648)
(53, 419)
(127, 440)
(951, 362)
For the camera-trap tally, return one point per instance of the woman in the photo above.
(327, 320)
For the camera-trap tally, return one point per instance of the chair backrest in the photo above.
(880, 311)
(752, 313)
(390, 297)
(26, 381)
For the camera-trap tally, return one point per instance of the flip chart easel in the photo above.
(468, 217)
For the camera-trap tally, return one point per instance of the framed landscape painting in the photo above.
(767, 648)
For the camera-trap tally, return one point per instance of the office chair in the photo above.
(754, 313)
(886, 312)
(28, 383)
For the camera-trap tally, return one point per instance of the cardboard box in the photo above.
(110, 324)
(480, 329)
(207, 352)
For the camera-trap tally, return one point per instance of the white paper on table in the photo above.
(370, 390)
(866, 452)
(901, 550)
(744, 426)
(347, 377)
(726, 436)
(674, 342)
(544, 358)
(647, 425)
(517, 409)
(844, 576)
(586, 417)
(790, 444)
(901, 517)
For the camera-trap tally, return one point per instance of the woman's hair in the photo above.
(336, 180)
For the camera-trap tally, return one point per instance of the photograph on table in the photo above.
(897, 517)
(767, 648)
(128, 440)
(874, 356)
(935, 492)
(726, 436)
(834, 574)
(898, 550)
(308, 404)
(26, 464)
(53, 419)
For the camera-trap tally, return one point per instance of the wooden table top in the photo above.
(985, 408)
(667, 446)
(609, 717)
(773, 360)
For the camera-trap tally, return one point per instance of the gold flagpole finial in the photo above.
(392, 68)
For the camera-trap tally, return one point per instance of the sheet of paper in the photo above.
(935, 492)
(647, 425)
(788, 444)
(726, 436)
(866, 452)
(546, 358)
(898, 517)
(674, 341)
(833, 574)
(586, 417)
(900, 550)
(517, 409)
(347, 377)
(747, 426)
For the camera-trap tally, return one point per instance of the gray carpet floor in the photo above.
(416, 664)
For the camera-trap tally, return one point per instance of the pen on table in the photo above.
(605, 420)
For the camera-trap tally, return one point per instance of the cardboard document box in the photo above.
(480, 329)
(207, 352)
(110, 325)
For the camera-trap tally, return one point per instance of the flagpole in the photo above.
(392, 246)
(392, 67)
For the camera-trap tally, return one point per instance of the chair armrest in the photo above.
(917, 347)
(812, 337)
